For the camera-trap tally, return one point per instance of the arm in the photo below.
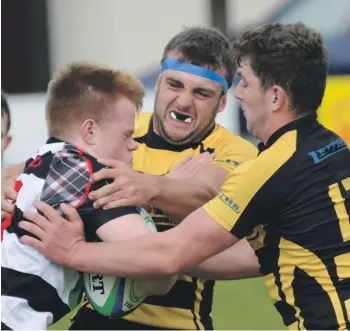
(175, 195)
(127, 227)
(178, 201)
(236, 262)
(167, 253)
(207, 231)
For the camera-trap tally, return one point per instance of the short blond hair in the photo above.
(82, 90)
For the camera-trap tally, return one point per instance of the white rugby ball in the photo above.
(113, 296)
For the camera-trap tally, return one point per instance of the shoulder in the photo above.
(230, 148)
(142, 122)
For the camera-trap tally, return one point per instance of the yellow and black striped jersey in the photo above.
(188, 304)
(293, 204)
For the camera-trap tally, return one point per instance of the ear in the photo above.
(222, 103)
(88, 131)
(8, 141)
(277, 97)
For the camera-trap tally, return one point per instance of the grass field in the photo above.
(242, 305)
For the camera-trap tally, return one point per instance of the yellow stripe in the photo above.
(185, 278)
(292, 256)
(346, 183)
(163, 317)
(272, 288)
(339, 206)
(342, 263)
(347, 307)
(293, 326)
(199, 298)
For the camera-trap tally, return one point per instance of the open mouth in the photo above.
(175, 115)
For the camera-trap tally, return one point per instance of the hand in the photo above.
(129, 187)
(190, 165)
(7, 193)
(60, 238)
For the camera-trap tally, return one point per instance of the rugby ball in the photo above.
(113, 296)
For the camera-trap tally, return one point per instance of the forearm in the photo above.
(177, 198)
(101, 258)
(236, 262)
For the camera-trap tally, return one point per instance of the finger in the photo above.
(33, 229)
(110, 162)
(38, 219)
(10, 193)
(104, 191)
(35, 243)
(187, 158)
(115, 196)
(7, 206)
(70, 213)
(50, 213)
(124, 202)
(184, 160)
(105, 173)
(207, 158)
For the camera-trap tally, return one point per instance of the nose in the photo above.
(184, 100)
(238, 92)
(133, 145)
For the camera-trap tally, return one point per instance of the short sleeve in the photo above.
(252, 194)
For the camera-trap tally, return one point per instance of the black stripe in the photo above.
(41, 296)
(182, 295)
(206, 304)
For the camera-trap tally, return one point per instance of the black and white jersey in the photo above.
(34, 291)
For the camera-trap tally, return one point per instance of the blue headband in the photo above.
(174, 64)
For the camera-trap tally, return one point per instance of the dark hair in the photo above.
(292, 56)
(5, 110)
(204, 47)
(82, 90)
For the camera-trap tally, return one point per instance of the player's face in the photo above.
(186, 106)
(255, 104)
(115, 137)
(5, 138)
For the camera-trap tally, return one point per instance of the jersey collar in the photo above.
(296, 124)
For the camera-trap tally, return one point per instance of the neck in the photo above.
(278, 122)
(81, 144)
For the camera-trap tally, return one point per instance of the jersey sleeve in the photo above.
(68, 182)
(252, 193)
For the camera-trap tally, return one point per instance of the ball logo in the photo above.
(97, 284)
(134, 294)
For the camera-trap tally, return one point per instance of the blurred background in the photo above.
(40, 36)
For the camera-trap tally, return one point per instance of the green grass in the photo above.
(242, 305)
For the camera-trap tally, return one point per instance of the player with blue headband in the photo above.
(197, 69)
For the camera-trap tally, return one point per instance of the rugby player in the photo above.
(295, 197)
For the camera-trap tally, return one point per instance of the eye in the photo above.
(175, 85)
(203, 94)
